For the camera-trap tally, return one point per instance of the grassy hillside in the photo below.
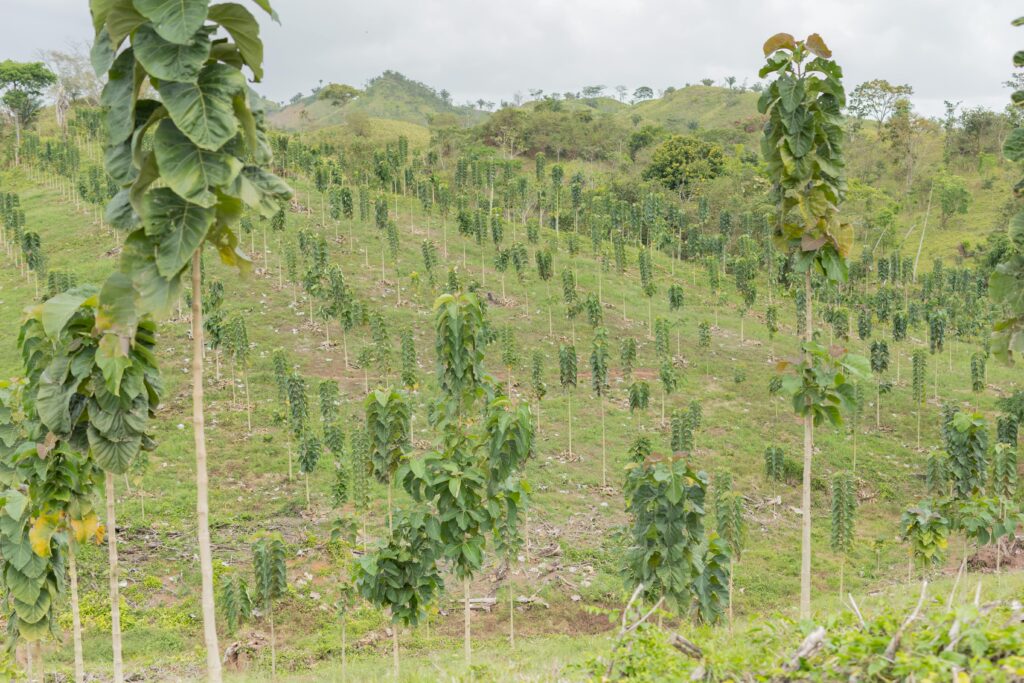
(390, 96)
(397, 106)
(696, 106)
(574, 559)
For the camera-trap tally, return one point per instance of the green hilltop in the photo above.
(390, 96)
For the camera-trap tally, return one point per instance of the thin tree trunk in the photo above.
(344, 649)
(842, 575)
(390, 525)
(17, 140)
(467, 646)
(805, 540)
(878, 406)
(924, 229)
(570, 424)
(213, 671)
(248, 402)
(604, 456)
(273, 645)
(511, 611)
(115, 598)
(394, 648)
(732, 571)
(76, 618)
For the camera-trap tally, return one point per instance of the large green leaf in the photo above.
(120, 423)
(33, 612)
(99, 10)
(169, 61)
(800, 132)
(203, 110)
(147, 114)
(112, 359)
(102, 54)
(119, 212)
(32, 632)
(180, 226)
(265, 6)
(113, 455)
(17, 552)
(262, 190)
(122, 20)
(117, 160)
(14, 504)
(53, 398)
(116, 309)
(175, 20)
(157, 294)
(23, 587)
(1013, 148)
(118, 98)
(242, 25)
(58, 310)
(190, 170)
(791, 92)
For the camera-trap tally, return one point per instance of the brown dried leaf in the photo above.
(778, 42)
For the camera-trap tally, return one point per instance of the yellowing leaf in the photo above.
(817, 45)
(87, 527)
(41, 533)
(844, 239)
(778, 42)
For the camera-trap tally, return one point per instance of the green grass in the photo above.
(251, 491)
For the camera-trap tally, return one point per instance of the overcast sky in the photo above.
(491, 49)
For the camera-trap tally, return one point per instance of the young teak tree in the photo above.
(844, 504)
(919, 361)
(669, 382)
(567, 365)
(732, 528)
(802, 148)
(205, 145)
(879, 364)
(667, 523)
(599, 382)
(271, 574)
(387, 425)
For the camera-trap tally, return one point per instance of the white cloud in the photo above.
(946, 49)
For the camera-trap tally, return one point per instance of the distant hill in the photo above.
(389, 96)
(604, 105)
(261, 102)
(697, 107)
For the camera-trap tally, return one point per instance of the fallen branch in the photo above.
(480, 604)
(956, 583)
(624, 630)
(812, 643)
(856, 610)
(1016, 614)
(685, 646)
(894, 644)
(532, 600)
(955, 634)
(632, 599)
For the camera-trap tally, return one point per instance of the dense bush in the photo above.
(982, 643)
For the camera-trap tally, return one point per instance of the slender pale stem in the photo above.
(76, 618)
(115, 598)
(213, 670)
